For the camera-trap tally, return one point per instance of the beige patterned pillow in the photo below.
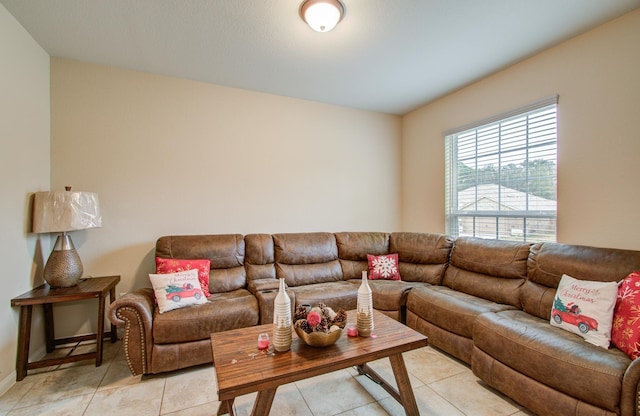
(177, 290)
(585, 307)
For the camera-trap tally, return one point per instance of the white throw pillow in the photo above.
(585, 307)
(177, 290)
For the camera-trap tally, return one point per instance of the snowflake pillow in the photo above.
(585, 307)
(625, 333)
(384, 267)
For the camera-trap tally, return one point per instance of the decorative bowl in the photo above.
(319, 339)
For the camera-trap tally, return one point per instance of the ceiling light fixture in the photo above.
(322, 15)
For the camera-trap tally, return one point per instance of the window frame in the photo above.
(454, 213)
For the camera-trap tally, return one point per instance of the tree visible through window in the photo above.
(501, 176)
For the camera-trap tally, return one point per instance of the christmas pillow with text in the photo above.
(177, 290)
(585, 307)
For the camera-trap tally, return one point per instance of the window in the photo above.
(501, 176)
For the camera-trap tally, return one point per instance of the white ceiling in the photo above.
(390, 56)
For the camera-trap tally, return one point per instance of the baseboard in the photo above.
(7, 382)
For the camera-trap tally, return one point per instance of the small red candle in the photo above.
(352, 331)
(263, 341)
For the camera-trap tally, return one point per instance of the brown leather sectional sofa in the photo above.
(485, 302)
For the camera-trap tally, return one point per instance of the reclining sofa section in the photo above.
(485, 302)
(492, 311)
(317, 267)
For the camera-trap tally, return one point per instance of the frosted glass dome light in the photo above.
(322, 15)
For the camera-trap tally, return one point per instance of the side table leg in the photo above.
(24, 338)
(100, 331)
(404, 385)
(114, 329)
(49, 330)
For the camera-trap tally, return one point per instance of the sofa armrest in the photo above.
(630, 397)
(262, 285)
(266, 300)
(134, 311)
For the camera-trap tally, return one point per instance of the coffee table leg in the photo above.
(226, 407)
(404, 385)
(367, 371)
(263, 403)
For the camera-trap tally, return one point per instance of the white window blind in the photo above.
(501, 176)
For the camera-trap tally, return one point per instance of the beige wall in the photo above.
(596, 76)
(172, 156)
(24, 168)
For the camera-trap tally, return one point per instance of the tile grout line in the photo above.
(164, 389)
(295, 383)
(99, 384)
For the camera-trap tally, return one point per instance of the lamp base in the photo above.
(64, 268)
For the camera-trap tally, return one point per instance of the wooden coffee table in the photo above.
(242, 369)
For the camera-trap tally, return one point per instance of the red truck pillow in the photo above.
(177, 290)
(585, 307)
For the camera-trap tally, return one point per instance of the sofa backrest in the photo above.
(259, 261)
(490, 269)
(306, 258)
(549, 261)
(422, 257)
(225, 251)
(353, 248)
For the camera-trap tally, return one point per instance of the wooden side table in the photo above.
(45, 295)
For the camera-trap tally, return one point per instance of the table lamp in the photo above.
(61, 212)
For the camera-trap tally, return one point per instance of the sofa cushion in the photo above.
(222, 311)
(177, 290)
(422, 257)
(308, 274)
(538, 398)
(178, 265)
(549, 261)
(306, 258)
(384, 267)
(585, 308)
(353, 248)
(553, 357)
(259, 259)
(625, 332)
(305, 248)
(224, 251)
(456, 345)
(490, 269)
(389, 295)
(337, 295)
(449, 309)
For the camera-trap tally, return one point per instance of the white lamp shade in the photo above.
(322, 15)
(62, 211)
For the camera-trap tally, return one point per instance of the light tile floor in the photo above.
(442, 386)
